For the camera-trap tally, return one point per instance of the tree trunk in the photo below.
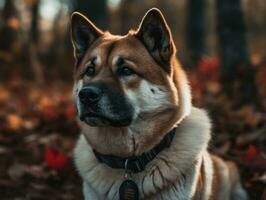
(231, 36)
(195, 29)
(95, 10)
(34, 60)
(237, 74)
(8, 32)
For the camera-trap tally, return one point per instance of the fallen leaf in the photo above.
(70, 112)
(261, 76)
(13, 22)
(30, 124)
(261, 178)
(15, 122)
(251, 153)
(55, 159)
(4, 94)
(37, 171)
(213, 87)
(49, 113)
(245, 139)
(3, 150)
(44, 102)
(208, 66)
(17, 171)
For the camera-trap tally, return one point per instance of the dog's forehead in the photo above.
(110, 47)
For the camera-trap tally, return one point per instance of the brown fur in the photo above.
(127, 47)
(137, 58)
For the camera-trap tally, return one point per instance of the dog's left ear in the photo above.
(156, 36)
(83, 34)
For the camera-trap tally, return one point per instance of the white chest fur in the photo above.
(171, 175)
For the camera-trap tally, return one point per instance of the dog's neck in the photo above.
(184, 154)
(136, 164)
(133, 140)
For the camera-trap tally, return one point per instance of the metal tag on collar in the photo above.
(128, 189)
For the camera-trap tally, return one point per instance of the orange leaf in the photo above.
(14, 23)
(44, 102)
(4, 94)
(14, 121)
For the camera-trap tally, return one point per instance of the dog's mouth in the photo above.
(95, 119)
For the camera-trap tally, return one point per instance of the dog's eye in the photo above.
(125, 71)
(90, 71)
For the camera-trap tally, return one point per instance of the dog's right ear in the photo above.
(83, 34)
(156, 36)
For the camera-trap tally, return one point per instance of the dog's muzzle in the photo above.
(102, 105)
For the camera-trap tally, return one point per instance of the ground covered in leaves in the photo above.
(38, 133)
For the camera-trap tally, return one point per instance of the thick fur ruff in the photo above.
(183, 171)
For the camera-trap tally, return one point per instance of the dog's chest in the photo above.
(151, 186)
(181, 190)
(172, 175)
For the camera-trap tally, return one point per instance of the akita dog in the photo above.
(141, 137)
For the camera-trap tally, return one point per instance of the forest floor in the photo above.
(38, 132)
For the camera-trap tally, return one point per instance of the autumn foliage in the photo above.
(38, 132)
(55, 159)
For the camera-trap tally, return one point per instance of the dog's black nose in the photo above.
(90, 94)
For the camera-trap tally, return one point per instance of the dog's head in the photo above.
(131, 82)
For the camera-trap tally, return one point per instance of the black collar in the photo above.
(136, 163)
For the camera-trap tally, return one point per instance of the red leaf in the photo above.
(251, 153)
(70, 112)
(208, 66)
(55, 160)
(259, 163)
(261, 76)
(49, 113)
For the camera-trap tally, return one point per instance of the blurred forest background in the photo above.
(221, 44)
